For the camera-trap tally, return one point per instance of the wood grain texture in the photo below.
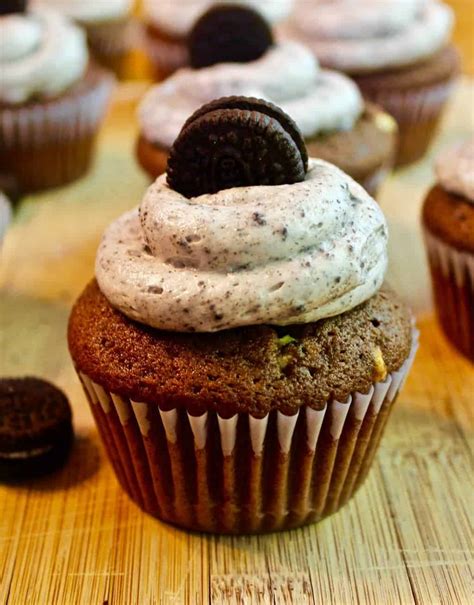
(76, 538)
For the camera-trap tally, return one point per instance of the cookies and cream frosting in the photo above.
(91, 11)
(455, 169)
(41, 54)
(287, 75)
(358, 36)
(251, 255)
(177, 17)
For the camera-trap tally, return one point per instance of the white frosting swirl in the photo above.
(369, 35)
(455, 169)
(41, 53)
(90, 11)
(177, 17)
(287, 75)
(255, 255)
(5, 215)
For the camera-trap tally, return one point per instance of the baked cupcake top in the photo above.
(358, 36)
(455, 169)
(5, 214)
(312, 247)
(287, 74)
(90, 11)
(42, 54)
(178, 17)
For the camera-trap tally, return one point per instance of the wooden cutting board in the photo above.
(76, 538)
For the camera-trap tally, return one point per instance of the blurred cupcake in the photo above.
(5, 216)
(448, 221)
(238, 352)
(52, 99)
(327, 106)
(168, 24)
(107, 23)
(397, 52)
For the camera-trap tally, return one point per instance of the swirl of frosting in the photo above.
(252, 255)
(359, 36)
(287, 75)
(90, 11)
(455, 169)
(41, 53)
(179, 17)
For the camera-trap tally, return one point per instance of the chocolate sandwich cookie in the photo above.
(228, 34)
(35, 428)
(9, 7)
(236, 142)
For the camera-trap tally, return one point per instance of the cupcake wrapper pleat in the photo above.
(452, 274)
(50, 144)
(243, 474)
(417, 113)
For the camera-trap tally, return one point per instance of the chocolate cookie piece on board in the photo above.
(35, 428)
(231, 147)
(228, 33)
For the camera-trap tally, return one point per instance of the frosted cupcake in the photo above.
(337, 124)
(237, 348)
(168, 24)
(448, 220)
(52, 99)
(107, 23)
(398, 53)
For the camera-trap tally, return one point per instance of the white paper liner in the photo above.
(454, 297)
(130, 429)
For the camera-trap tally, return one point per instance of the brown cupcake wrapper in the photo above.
(50, 144)
(165, 56)
(452, 273)
(417, 112)
(243, 474)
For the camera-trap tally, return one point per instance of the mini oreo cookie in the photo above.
(35, 428)
(9, 7)
(228, 33)
(236, 142)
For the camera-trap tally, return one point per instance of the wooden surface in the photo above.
(76, 538)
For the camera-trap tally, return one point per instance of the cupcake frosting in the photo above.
(41, 54)
(455, 169)
(287, 75)
(178, 17)
(244, 256)
(90, 11)
(359, 36)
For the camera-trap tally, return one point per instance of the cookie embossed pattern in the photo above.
(242, 384)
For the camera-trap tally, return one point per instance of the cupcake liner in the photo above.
(417, 112)
(452, 274)
(166, 56)
(243, 474)
(48, 144)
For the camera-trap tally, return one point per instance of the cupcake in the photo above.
(52, 99)
(398, 53)
(238, 349)
(107, 24)
(448, 222)
(327, 106)
(168, 24)
(5, 216)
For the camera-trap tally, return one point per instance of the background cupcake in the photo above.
(448, 220)
(237, 350)
(327, 106)
(5, 216)
(397, 52)
(52, 99)
(107, 23)
(168, 24)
